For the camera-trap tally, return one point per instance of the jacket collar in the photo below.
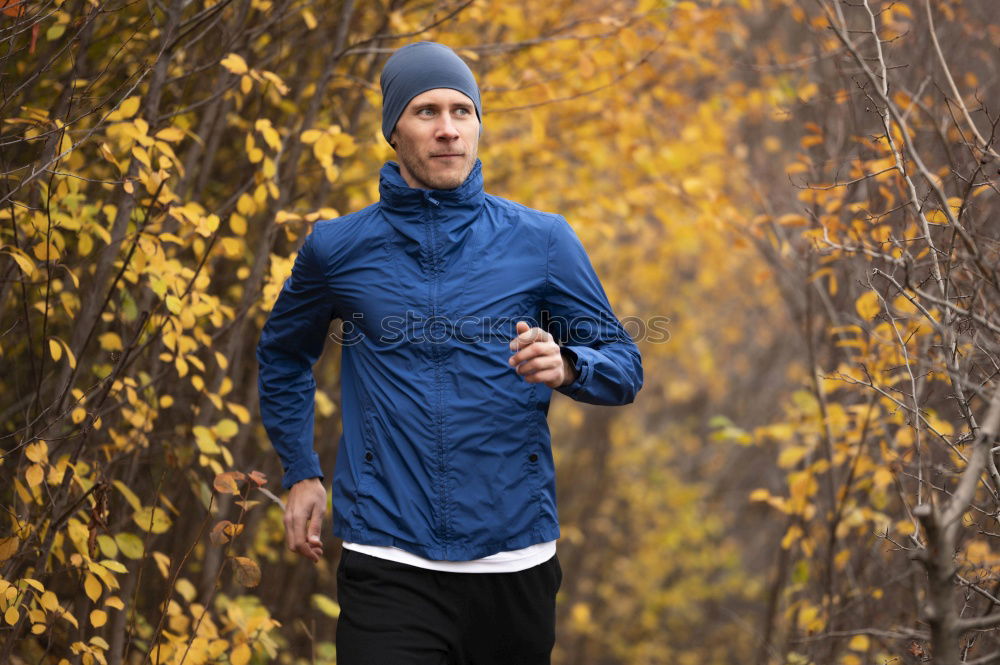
(461, 204)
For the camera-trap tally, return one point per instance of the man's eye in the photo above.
(425, 112)
(462, 111)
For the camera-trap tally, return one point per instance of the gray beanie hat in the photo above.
(417, 68)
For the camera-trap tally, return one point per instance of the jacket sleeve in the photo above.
(290, 344)
(580, 317)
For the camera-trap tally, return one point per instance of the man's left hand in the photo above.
(537, 358)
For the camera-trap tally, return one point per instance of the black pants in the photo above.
(396, 614)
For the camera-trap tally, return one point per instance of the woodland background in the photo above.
(808, 190)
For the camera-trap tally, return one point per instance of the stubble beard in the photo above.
(420, 172)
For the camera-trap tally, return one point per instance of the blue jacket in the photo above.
(445, 449)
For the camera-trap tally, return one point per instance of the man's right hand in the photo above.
(304, 513)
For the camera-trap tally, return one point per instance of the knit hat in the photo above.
(417, 68)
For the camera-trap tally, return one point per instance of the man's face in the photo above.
(437, 139)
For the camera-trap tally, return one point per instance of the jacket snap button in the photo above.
(369, 457)
(532, 457)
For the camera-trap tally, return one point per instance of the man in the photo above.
(444, 486)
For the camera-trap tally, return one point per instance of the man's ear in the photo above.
(392, 140)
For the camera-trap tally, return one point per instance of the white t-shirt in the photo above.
(501, 562)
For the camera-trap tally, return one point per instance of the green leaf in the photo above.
(55, 32)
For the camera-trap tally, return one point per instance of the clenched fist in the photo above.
(538, 358)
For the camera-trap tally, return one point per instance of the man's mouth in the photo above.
(449, 154)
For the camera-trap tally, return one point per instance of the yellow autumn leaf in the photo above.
(276, 81)
(235, 64)
(186, 589)
(238, 224)
(226, 429)
(22, 260)
(206, 440)
(324, 147)
(65, 144)
(271, 136)
(326, 605)
(34, 475)
(284, 216)
(936, 216)
(37, 452)
(172, 134)
(154, 520)
(98, 618)
(140, 153)
(868, 305)
(70, 619)
(48, 601)
(859, 643)
(309, 18)
(34, 584)
(580, 614)
(269, 168)
(241, 412)
(791, 456)
(129, 495)
(310, 136)
(46, 251)
(791, 536)
(882, 477)
(110, 341)
(114, 566)
(240, 655)
(130, 545)
(125, 110)
(345, 146)
(92, 587)
(8, 547)
(245, 205)
(55, 349)
(68, 616)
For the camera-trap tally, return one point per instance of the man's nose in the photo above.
(446, 129)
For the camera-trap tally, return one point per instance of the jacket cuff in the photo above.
(580, 357)
(301, 470)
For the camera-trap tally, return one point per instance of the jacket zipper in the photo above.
(444, 531)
